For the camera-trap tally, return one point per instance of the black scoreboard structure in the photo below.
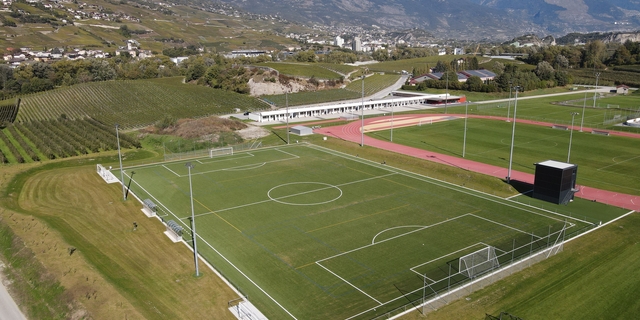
(555, 181)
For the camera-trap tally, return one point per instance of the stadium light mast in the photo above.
(513, 133)
(595, 92)
(391, 118)
(464, 143)
(573, 115)
(446, 94)
(584, 105)
(286, 95)
(190, 166)
(124, 194)
(362, 116)
(509, 105)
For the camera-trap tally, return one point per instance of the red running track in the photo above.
(351, 132)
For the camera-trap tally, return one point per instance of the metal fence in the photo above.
(205, 152)
(456, 286)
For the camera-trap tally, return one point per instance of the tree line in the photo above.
(216, 71)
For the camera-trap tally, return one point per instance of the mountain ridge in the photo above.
(462, 19)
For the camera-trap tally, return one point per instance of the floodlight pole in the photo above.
(513, 134)
(391, 119)
(124, 194)
(362, 116)
(509, 105)
(584, 105)
(573, 115)
(595, 92)
(286, 95)
(446, 94)
(190, 166)
(464, 143)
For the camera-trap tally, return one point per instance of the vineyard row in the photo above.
(51, 139)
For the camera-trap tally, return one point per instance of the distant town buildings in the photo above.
(245, 53)
(458, 51)
(338, 42)
(356, 44)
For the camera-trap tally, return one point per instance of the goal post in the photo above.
(478, 262)
(220, 152)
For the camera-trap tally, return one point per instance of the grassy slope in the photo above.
(139, 274)
(304, 70)
(596, 277)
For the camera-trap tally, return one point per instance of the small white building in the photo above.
(301, 130)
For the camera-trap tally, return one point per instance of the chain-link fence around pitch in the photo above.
(514, 255)
(200, 153)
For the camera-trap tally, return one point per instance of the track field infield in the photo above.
(310, 233)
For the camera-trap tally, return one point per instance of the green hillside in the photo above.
(156, 26)
(133, 103)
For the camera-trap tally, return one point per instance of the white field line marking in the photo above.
(246, 277)
(252, 151)
(294, 195)
(170, 170)
(451, 186)
(412, 292)
(373, 241)
(157, 202)
(521, 144)
(349, 283)
(247, 167)
(237, 167)
(611, 165)
(438, 258)
(291, 154)
(519, 194)
(504, 225)
(392, 238)
(227, 159)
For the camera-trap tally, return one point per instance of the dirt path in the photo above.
(351, 132)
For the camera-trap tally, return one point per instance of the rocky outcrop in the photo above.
(622, 37)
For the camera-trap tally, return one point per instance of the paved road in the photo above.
(600, 89)
(8, 308)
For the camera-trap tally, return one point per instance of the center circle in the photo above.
(307, 193)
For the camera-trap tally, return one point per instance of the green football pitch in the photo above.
(309, 233)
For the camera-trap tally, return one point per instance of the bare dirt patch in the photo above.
(253, 132)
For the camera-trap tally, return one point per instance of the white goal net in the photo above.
(478, 262)
(220, 152)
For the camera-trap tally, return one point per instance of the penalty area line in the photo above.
(349, 283)
(171, 170)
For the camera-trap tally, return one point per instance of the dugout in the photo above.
(555, 181)
(301, 130)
